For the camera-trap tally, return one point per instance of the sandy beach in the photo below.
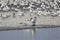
(23, 20)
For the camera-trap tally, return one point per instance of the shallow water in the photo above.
(39, 34)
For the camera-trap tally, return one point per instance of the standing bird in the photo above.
(33, 20)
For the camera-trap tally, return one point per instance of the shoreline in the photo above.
(27, 27)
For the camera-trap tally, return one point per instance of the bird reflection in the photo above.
(32, 31)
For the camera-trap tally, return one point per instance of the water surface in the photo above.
(40, 34)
